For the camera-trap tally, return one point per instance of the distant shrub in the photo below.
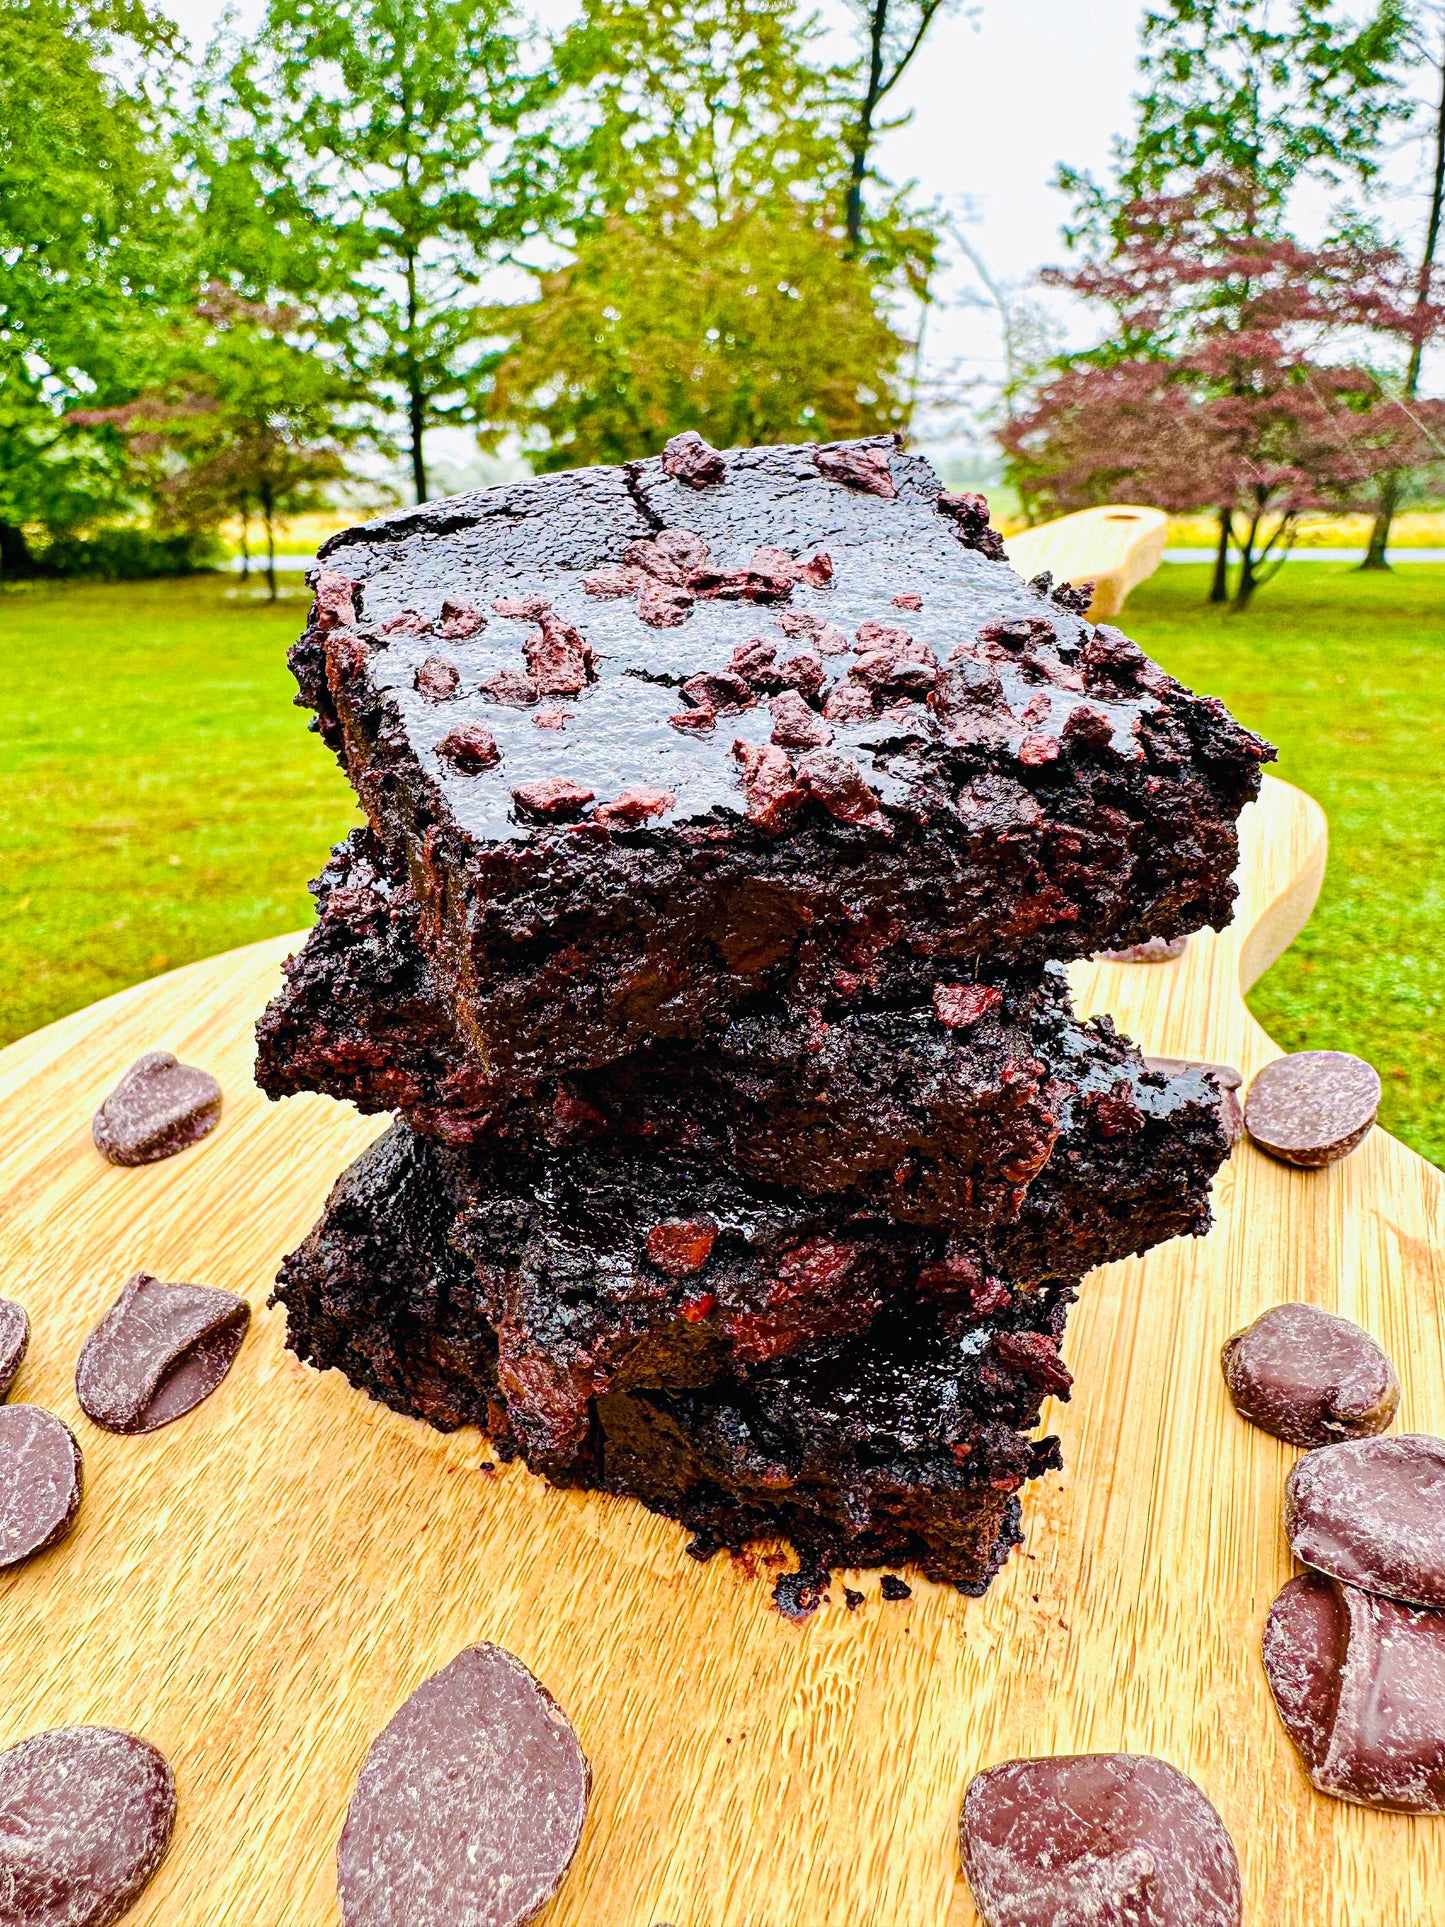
(128, 554)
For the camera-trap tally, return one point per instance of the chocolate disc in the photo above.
(469, 1806)
(14, 1337)
(1228, 1079)
(157, 1353)
(158, 1108)
(1371, 1512)
(39, 1482)
(1152, 950)
(1359, 1683)
(1096, 1840)
(1312, 1108)
(1310, 1378)
(85, 1820)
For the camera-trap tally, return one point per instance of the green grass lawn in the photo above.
(162, 799)
(1344, 673)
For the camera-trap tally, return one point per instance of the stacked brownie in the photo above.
(728, 819)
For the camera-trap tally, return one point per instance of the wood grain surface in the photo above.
(258, 1586)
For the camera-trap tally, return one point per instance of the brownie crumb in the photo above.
(852, 1600)
(798, 1595)
(892, 1587)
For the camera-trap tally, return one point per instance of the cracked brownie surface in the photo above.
(645, 748)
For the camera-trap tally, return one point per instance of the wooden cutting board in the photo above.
(257, 1587)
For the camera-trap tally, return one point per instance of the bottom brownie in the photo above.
(879, 1449)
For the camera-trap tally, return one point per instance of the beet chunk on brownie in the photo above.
(759, 771)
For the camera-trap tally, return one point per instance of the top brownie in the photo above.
(650, 741)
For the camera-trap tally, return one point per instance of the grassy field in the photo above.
(162, 799)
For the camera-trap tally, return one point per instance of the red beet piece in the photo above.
(40, 1476)
(158, 1352)
(1310, 1378)
(1096, 1840)
(681, 1247)
(556, 797)
(438, 680)
(14, 1338)
(1312, 1108)
(858, 466)
(688, 458)
(1371, 1512)
(158, 1108)
(85, 1819)
(961, 1006)
(470, 1803)
(1359, 1684)
(469, 749)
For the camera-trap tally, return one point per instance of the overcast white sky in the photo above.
(996, 103)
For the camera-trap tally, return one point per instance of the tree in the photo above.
(380, 162)
(709, 284)
(1430, 47)
(1215, 389)
(92, 250)
(892, 32)
(755, 329)
(249, 423)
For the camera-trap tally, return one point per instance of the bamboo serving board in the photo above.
(257, 1587)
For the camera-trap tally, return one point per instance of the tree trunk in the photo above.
(269, 522)
(1245, 585)
(416, 420)
(1219, 584)
(1375, 556)
(245, 543)
(862, 142)
(15, 557)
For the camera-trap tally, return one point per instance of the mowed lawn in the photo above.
(162, 799)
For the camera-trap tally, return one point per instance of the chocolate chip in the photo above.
(1152, 950)
(14, 1337)
(1096, 1840)
(1309, 1377)
(460, 620)
(908, 599)
(527, 608)
(409, 622)
(1312, 1108)
(85, 1819)
(660, 606)
(839, 785)
(1371, 1512)
(556, 798)
(688, 458)
(1231, 1111)
(635, 805)
(158, 1108)
(857, 466)
(559, 658)
(510, 687)
(773, 795)
(795, 725)
(39, 1481)
(1359, 1684)
(892, 1587)
(470, 749)
(614, 580)
(470, 1803)
(157, 1353)
(438, 680)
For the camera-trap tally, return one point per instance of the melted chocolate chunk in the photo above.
(1152, 950)
(14, 1337)
(1359, 1683)
(85, 1819)
(1371, 1512)
(1312, 1108)
(1096, 1840)
(39, 1482)
(1310, 1378)
(157, 1353)
(158, 1108)
(470, 1803)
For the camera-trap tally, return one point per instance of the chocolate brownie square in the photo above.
(648, 748)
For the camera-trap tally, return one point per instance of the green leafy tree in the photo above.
(380, 162)
(92, 250)
(250, 424)
(709, 285)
